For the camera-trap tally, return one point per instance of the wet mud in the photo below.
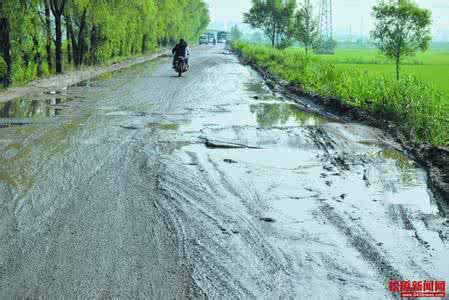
(215, 185)
(433, 159)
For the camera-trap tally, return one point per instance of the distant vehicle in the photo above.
(211, 37)
(223, 37)
(204, 39)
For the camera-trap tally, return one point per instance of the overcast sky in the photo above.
(349, 15)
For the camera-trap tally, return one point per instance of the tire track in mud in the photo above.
(210, 249)
(360, 242)
(327, 144)
(176, 193)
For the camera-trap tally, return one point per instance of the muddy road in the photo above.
(140, 184)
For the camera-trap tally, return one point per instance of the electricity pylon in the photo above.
(326, 30)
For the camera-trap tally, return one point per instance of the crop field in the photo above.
(431, 67)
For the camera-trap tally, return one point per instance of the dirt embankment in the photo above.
(434, 159)
(61, 82)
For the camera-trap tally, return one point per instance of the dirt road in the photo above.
(144, 185)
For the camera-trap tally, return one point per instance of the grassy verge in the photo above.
(420, 111)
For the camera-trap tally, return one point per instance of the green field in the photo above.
(432, 67)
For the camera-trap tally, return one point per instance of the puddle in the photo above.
(84, 83)
(169, 126)
(283, 114)
(11, 122)
(269, 111)
(272, 114)
(163, 126)
(372, 143)
(409, 175)
(24, 108)
(258, 87)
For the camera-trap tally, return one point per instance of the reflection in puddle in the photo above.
(164, 126)
(257, 87)
(32, 108)
(283, 114)
(271, 112)
(84, 83)
(407, 168)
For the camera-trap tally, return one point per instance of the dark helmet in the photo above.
(182, 41)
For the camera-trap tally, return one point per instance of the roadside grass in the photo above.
(420, 110)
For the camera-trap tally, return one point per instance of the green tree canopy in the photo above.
(306, 26)
(77, 32)
(275, 18)
(236, 34)
(402, 29)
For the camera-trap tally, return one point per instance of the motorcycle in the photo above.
(181, 66)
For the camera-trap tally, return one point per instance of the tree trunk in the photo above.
(77, 41)
(121, 48)
(57, 8)
(49, 35)
(58, 43)
(81, 50)
(144, 43)
(69, 48)
(81, 41)
(73, 41)
(37, 56)
(94, 39)
(5, 45)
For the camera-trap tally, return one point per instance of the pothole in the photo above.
(162, 126)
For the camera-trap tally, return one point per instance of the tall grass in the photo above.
(421, 112)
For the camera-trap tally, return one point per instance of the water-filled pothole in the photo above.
(162, 126)
(25, 108)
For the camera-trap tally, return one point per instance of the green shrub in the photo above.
(420, 111)
(45, 69)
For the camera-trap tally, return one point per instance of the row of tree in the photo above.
(402, 28)
(283, 21)
(39, 37)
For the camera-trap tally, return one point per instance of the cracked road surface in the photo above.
(143, 185)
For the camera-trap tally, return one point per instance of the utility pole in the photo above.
(326, 27)
(326, 16)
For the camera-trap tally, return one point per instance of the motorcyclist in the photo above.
(181, 49)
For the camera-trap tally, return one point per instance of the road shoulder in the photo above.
(57, 83)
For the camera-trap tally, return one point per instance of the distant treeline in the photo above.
(40, 37)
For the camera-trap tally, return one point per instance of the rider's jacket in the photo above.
(181, 50)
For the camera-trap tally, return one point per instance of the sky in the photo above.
(350, 16)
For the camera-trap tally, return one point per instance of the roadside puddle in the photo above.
(162, 126)
(283, 114)
(21, 111)
(256, 114)
(258, 87)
